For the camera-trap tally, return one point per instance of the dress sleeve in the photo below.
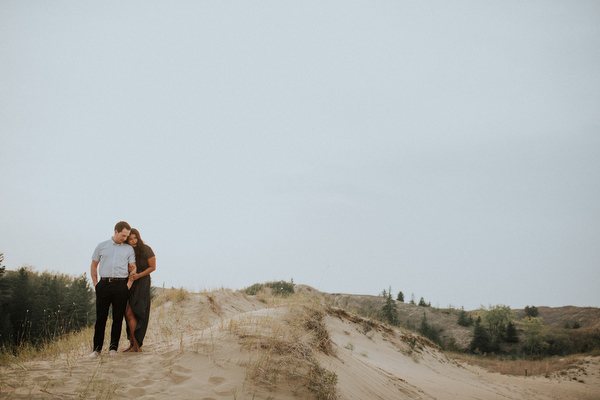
(149, 252)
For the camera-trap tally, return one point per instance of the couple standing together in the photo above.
(120, 270)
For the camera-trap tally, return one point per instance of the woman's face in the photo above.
(132, 240)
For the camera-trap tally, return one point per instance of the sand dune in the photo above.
(214, 345)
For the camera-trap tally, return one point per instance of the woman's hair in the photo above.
(140, 243)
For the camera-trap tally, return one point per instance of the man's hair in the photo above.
(122, 225)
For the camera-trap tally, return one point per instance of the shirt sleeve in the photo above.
(96, 255)
(131, 256)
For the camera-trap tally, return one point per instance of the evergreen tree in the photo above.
(464, 318)
(389, 310)
(42, 307)
(5, 295)
(400, 297)
(429, 331)
(79, 303)
(511, 333)
(20, 304)
(481, 342)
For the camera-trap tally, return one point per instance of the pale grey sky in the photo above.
(448, 149)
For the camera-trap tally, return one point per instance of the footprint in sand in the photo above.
(135, 393)
(222, 388)
(178, 378)
(143, 384)
(216, 380)
(179, 368)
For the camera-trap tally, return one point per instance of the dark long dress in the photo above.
(139, 294)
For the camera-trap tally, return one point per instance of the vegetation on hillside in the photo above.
(278, 288)
(40, 307)
(498, 331)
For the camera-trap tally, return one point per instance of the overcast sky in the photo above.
(450, 149)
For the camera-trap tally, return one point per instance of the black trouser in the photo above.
(108, 293)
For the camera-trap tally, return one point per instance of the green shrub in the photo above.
(279, 288)
(531, 311)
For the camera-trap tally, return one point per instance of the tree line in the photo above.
(495, 330)
(40, 307)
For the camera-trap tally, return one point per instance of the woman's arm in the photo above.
(151, 268)
(132, 268)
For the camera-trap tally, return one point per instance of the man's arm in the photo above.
(94, 272)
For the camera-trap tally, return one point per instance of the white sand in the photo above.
(191, 353)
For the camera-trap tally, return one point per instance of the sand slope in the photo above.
(194, 350)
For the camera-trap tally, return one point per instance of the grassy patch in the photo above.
(521, 367)
(286, 349)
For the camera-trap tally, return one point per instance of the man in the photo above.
(114, 260)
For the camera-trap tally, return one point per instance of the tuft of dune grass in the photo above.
(286, 349)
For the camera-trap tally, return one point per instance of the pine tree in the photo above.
(511, 333)
(400, 297)
(5, 325)
(20, 303)
(481, 342)
(389, 311)
(429, 331)
(464, 318)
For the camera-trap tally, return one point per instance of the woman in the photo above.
(138, 308)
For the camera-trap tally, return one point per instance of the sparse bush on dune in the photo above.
(278, 288)
(171, 295)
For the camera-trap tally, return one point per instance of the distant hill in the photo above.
(446, 319)
(557, 317)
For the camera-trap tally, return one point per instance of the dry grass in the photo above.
(285, 349)
(74, 345)
(171, 295)
(66, 348)
(521, 367)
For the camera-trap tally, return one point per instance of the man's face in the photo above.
(121, 237)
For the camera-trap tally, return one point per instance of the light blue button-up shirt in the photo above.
(113, 259)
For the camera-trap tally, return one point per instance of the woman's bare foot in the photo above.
(129, 348)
